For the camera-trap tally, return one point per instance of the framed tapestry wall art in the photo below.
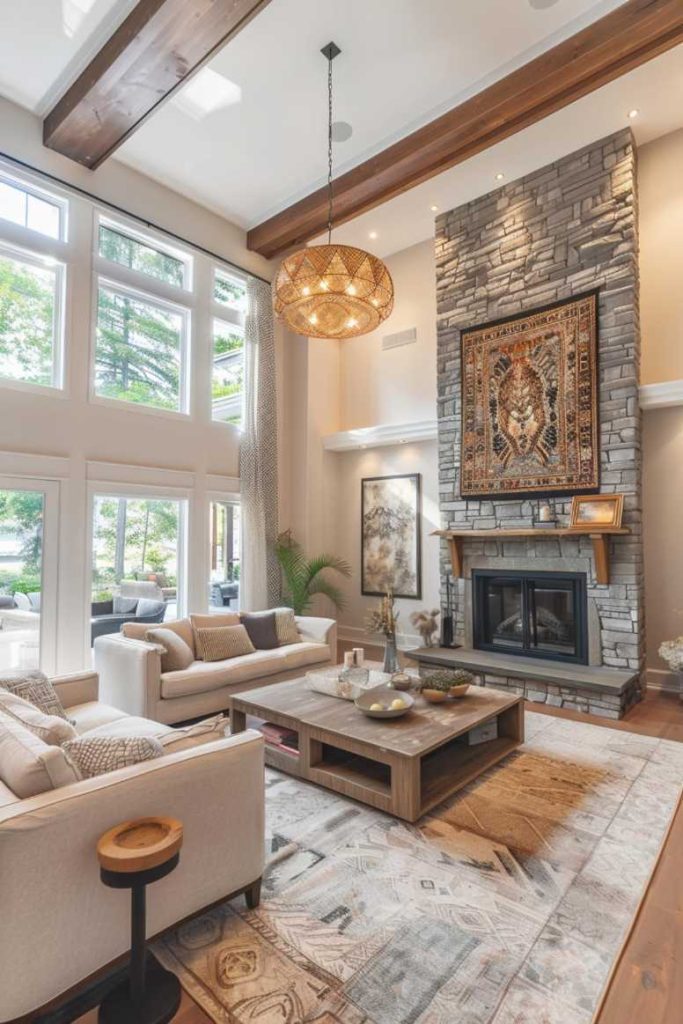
(390, 536)
(530, 423)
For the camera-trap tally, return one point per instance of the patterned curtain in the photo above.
(259, 572)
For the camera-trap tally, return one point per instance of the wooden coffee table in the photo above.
(404, 766)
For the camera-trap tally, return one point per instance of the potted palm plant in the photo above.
(303, 578)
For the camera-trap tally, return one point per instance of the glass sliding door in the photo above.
(225, 556)
(22, 517)
(136, 561)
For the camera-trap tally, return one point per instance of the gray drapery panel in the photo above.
(259, 573)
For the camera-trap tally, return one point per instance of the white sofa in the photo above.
(58, 923)
(131, 677)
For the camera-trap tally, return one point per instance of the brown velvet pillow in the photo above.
(262, 629)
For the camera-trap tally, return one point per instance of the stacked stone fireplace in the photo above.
(566, 229)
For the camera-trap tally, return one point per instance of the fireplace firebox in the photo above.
(532, 614)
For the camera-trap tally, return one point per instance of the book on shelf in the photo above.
(281, 737)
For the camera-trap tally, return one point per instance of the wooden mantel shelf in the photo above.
(599, 537)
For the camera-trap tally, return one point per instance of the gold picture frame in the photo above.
(594, 512)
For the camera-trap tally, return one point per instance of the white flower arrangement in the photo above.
(672, 653)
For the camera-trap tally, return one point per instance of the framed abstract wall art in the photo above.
(390, 536)
(530, 422)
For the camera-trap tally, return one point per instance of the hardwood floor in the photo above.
(647, 980)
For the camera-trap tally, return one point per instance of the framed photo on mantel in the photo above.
(390, 536)
(530, 423)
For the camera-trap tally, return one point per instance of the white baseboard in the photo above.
(661, 679)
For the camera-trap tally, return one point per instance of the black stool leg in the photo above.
(138, 953)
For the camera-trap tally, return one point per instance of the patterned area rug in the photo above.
(506, 905)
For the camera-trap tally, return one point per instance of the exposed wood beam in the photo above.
(158, 47)
(622, 40)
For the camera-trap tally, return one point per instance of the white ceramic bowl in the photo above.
(383, 695)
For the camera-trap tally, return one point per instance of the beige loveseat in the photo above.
(131, 677)
(58, 923)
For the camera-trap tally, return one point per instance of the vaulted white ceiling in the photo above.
(248, 137)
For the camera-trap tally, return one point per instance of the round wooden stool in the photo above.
(132, 855)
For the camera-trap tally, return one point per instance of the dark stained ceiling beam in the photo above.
(158, 47)
(629, 36)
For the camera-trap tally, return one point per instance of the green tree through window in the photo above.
(27, 321)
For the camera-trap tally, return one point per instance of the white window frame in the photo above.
(235, 318)
(183, 410)
(227, 497)
(47, 630)
(26, 183)
(107, 489)
(154, 240)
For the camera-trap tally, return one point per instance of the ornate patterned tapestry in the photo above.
(529, 403)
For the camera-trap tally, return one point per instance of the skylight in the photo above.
(207, 92)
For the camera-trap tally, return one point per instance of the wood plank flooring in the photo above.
(647, 982)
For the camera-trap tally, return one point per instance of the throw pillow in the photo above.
(97, 755)
(177, 655)
(195, 735)
(286, 626)
(29, 766)
(146, 607)
(138, 630)
(34, 598)
(211, 621)
(22, 601)
(49, 728)
(261, 629)
(35, 687)
(124, 605)
(221, 642)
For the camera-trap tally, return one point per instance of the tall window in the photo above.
(31, 284)
(142, 338)
(227, 388)
(21, 556)
(225, 555)
(136, 566)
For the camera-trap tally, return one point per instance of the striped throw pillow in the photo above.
(219, 643)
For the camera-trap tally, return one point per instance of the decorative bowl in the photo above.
(401, 681)
(435, 696)
(376, 703)
(460, 690)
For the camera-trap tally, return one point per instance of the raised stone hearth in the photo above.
(606, 692)
(563, 230)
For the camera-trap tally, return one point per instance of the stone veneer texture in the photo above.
(565, 229)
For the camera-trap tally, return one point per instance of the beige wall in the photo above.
(662, 509)
(660, 183)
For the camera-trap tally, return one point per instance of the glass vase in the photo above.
(390, 656)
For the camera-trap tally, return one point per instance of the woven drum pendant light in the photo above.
(332, 291)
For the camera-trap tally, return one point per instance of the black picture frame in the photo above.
(367, 590)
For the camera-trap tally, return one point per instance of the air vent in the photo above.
(408, 337)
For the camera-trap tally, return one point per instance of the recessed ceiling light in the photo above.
(434, 209)
(207, 92)
(633, 113)
(372, 234)
(341, 131)
(500, 176)
(540, 5)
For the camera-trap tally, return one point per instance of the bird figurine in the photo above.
(426, 625)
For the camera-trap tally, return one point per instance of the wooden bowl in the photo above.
(460, 690)
(435, 696)
(383, 695)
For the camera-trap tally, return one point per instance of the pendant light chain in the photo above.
(329, 150)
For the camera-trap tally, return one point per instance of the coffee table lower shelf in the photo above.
(405, 786)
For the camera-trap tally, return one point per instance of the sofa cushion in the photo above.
(261, 629)
(29, 766)
(305, 653)
(7, 796)
(203, 676)
(97, 755)
(211, 621)
(195, 735)
(131, 725)
(35, 687)
(222, 642)
(124, 605)
(286, 627)
(50, 729)
(183, 627)
(93, 714)
(177, 655)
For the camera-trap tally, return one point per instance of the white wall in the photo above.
(97, 445)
